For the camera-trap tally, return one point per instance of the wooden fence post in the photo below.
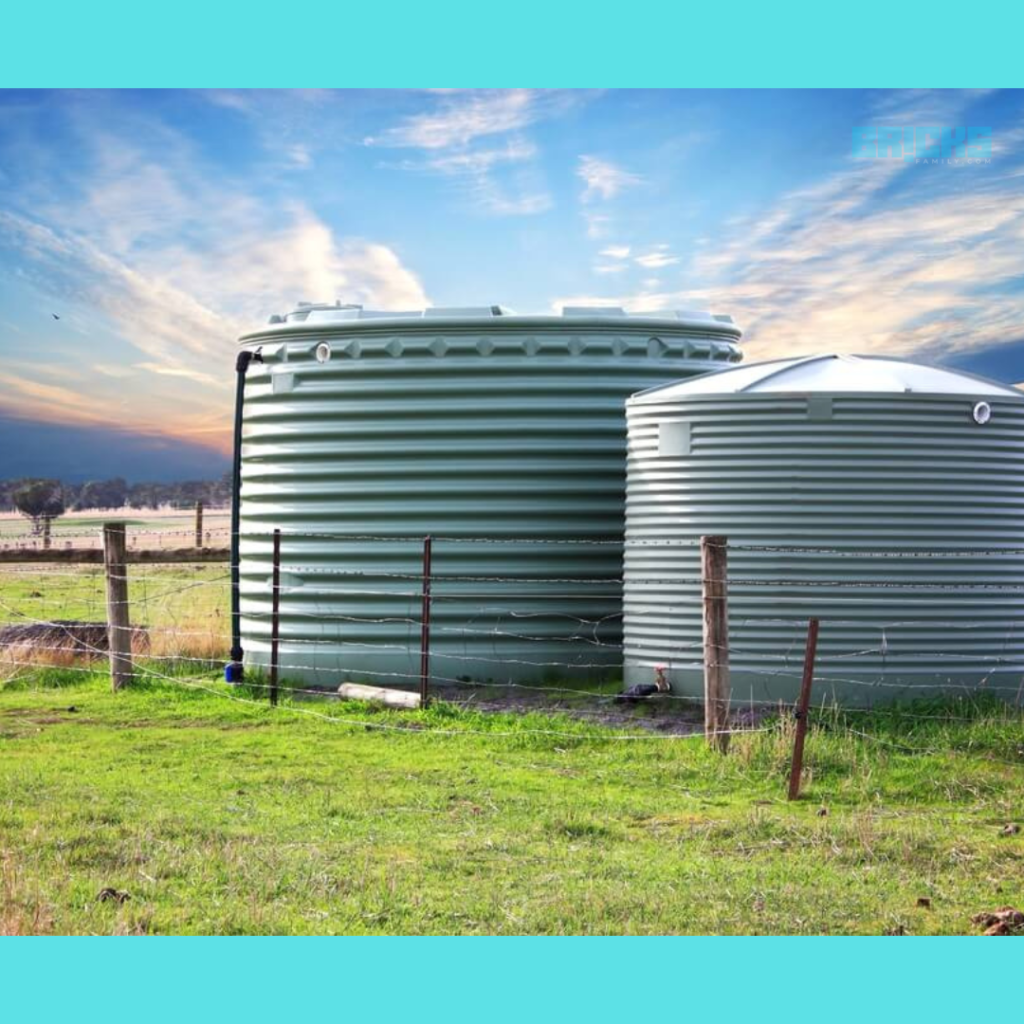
(717, 689)
(199, 524)
(119, 631)
(802, 710)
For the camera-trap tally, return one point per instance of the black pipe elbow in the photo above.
(245, 357)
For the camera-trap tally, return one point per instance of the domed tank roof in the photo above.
(832, 373)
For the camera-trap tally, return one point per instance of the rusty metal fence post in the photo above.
(802, 709)
(275, 617)
(425, 624)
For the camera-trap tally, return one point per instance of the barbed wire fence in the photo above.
(518, 641)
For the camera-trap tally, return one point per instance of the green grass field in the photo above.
(146, 528)
(185, 607)
(219, 815)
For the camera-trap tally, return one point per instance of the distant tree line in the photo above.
(42, 499)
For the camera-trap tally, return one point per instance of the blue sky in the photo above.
(160, 225)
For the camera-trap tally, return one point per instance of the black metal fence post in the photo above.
(275, 618)
(425, 625)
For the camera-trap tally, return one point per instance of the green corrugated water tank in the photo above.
(500, 435)
(893, 495)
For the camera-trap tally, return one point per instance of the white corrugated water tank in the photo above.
(884, 497)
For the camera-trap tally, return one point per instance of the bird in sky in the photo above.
(55, 317)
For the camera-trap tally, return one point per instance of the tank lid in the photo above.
(831, 373)
(310, 313)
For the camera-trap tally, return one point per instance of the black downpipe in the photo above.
(234, 671)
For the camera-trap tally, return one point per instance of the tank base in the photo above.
(759, 687)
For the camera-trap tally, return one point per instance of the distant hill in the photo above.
(78, 453)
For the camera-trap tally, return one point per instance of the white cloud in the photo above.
(526, 204)
(269, 270)
(835, 268)
(293, 125)
(610, 268)
(256, 101)
(603, 180)
(478, 161)
(187, 299)
(501, 179)
(932, 274)
(28, 397)
(115, 370)
(655, 260)
(299, 156)
(162, 253)
(616, 252)
(879, 257)
(232, 99)
(197, 376)
(476, 172)
(58, 371)
(598, 224)
(460, 118)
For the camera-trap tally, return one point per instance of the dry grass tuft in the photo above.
(19, 915)
(62, 643)
(190, 645)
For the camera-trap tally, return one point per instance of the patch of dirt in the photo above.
(72, 715)
(112, 895)
(39, 716)
(1004, 921)
(659, 713)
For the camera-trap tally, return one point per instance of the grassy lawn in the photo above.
(218, 815)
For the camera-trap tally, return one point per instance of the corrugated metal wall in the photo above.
(910, 478)
(511, 429)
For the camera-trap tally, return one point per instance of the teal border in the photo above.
(113, 43)
(491, 981)
(398, 43)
